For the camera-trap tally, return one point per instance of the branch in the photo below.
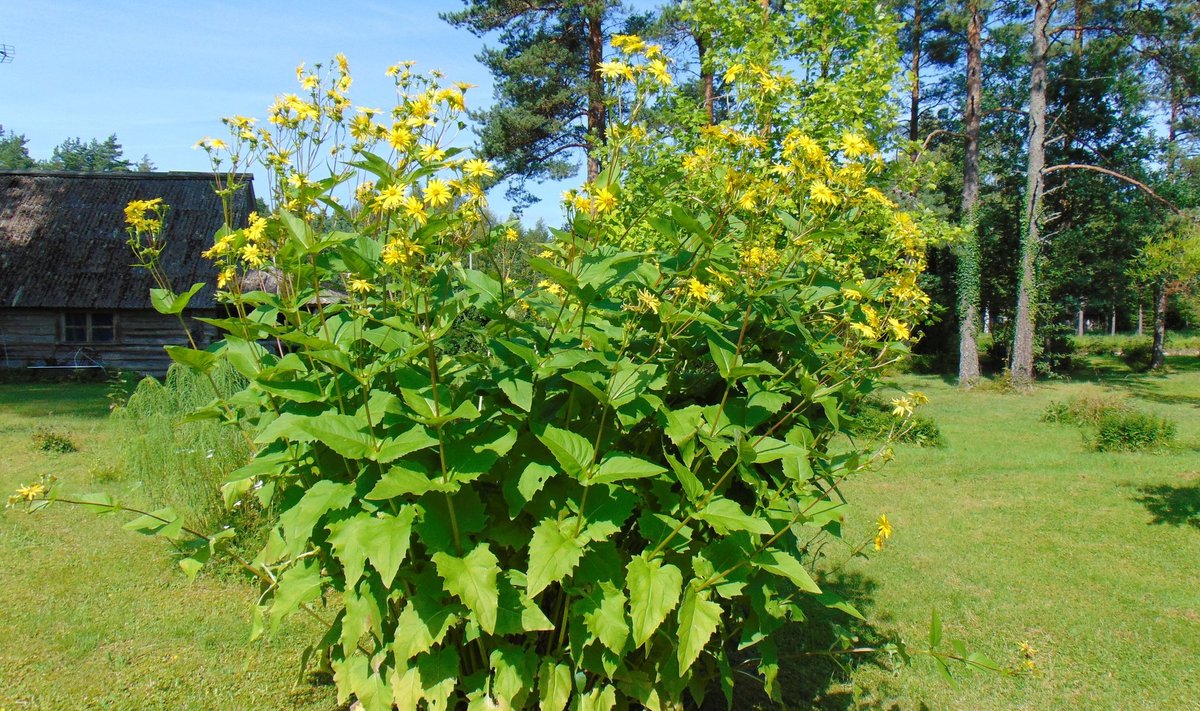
(1137, 184)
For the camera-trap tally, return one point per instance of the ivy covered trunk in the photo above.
(968, 273)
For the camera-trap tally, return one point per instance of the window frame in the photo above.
(89, 327)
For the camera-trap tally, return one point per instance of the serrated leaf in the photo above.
(202, 361)
(573, 453)
(383, 540)
(724, 355)
(783, 564)
(472, 579)
(423, 624)
(618, 467)
(407, 479)
(699, 618)
(344, 434)
(299, 584)
(554, 551)
(298, 521)
(168, 303)
(654, 591)
(604, 615)
(601, 698)
(724, 515)
(517, 612)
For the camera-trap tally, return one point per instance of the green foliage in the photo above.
(875, 419)
(606, 499)
(53, 441)
(93, 156)
(181, 462)
(1132, 431)
(1085, 409)
(14, 155)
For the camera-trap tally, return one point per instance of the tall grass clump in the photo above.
(1132, 431)
(181, 463)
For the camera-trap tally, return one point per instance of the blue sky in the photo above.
(161, 74)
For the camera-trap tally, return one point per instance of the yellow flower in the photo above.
(616, 70)
(511, 235)
(883, 531)
(211, 144)
(253, 255)
(746, 201)
(144, 215)
(628, 44)
(732, 73)
(402, 252)
(28, 492)
(658, 70)
(359, 286)
(854, 145)
(478, 168)
(698, 290)
(879, 197)
(604, 200)
(390, 197)
(899, 329)
(225, 276)
(647, 301)
(414, 209)
(432, 153)
(437, 193)
(581, 202)
(551, 287)
(400, 137)
(864, 329)
(919, 397)
(256, 230)
(902, 407)
(821, 194)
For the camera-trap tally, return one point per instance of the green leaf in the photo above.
(601, 698)
(404, 479)
(169, 303)
(473, 580)
(605, 617)
(724, 354)
(653, 592)
(383, 540)
(518, 390)
(423, 624)
(935, 630)
(699, 618)
(618, 467)
(201, 361)
(725, 515)
(553, 553)
(783, 564)
(298, 521)
(483, 285)
(294, 390)
(342, 433)
(392, 448)
(554, 686)
(165, 523)
(574, 453)
(517, 612)
(299, 584)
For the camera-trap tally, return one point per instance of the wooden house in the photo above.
(68, 295)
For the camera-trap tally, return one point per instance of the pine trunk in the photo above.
(968, 273)
(596, 112)
(1023, 331)
(914, 106)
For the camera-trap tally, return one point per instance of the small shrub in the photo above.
(1087, 409)
(1137, 355)
(53, 441)
(876, 419)
(1131, 431)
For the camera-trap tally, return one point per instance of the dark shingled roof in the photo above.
(62, 237)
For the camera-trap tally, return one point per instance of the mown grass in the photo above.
(96, 617)
(1015, 530)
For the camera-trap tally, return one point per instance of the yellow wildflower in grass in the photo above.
(29, 492)
(698, 290)
(437, 193)
(820, 193)
(919, 397)
(391, 197)
(253, 255)
(883, 531)
(359, 286)
(604, 200)
(478, 168)
(854, 145)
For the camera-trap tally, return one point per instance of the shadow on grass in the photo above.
(64, 399)
(1171, 505)
(809, 677)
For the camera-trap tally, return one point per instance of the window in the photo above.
(86, 327)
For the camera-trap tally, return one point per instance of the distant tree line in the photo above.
(93, 156)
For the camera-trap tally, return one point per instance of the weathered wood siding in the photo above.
(31, 338)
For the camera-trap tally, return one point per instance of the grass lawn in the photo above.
(1015, 531)
(96, 617)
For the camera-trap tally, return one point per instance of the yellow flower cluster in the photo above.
(883, 531)
(641, 60)
(144, 215)
(27, 493)
(590, 199)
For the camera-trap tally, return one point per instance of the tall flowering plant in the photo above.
(613, 494)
